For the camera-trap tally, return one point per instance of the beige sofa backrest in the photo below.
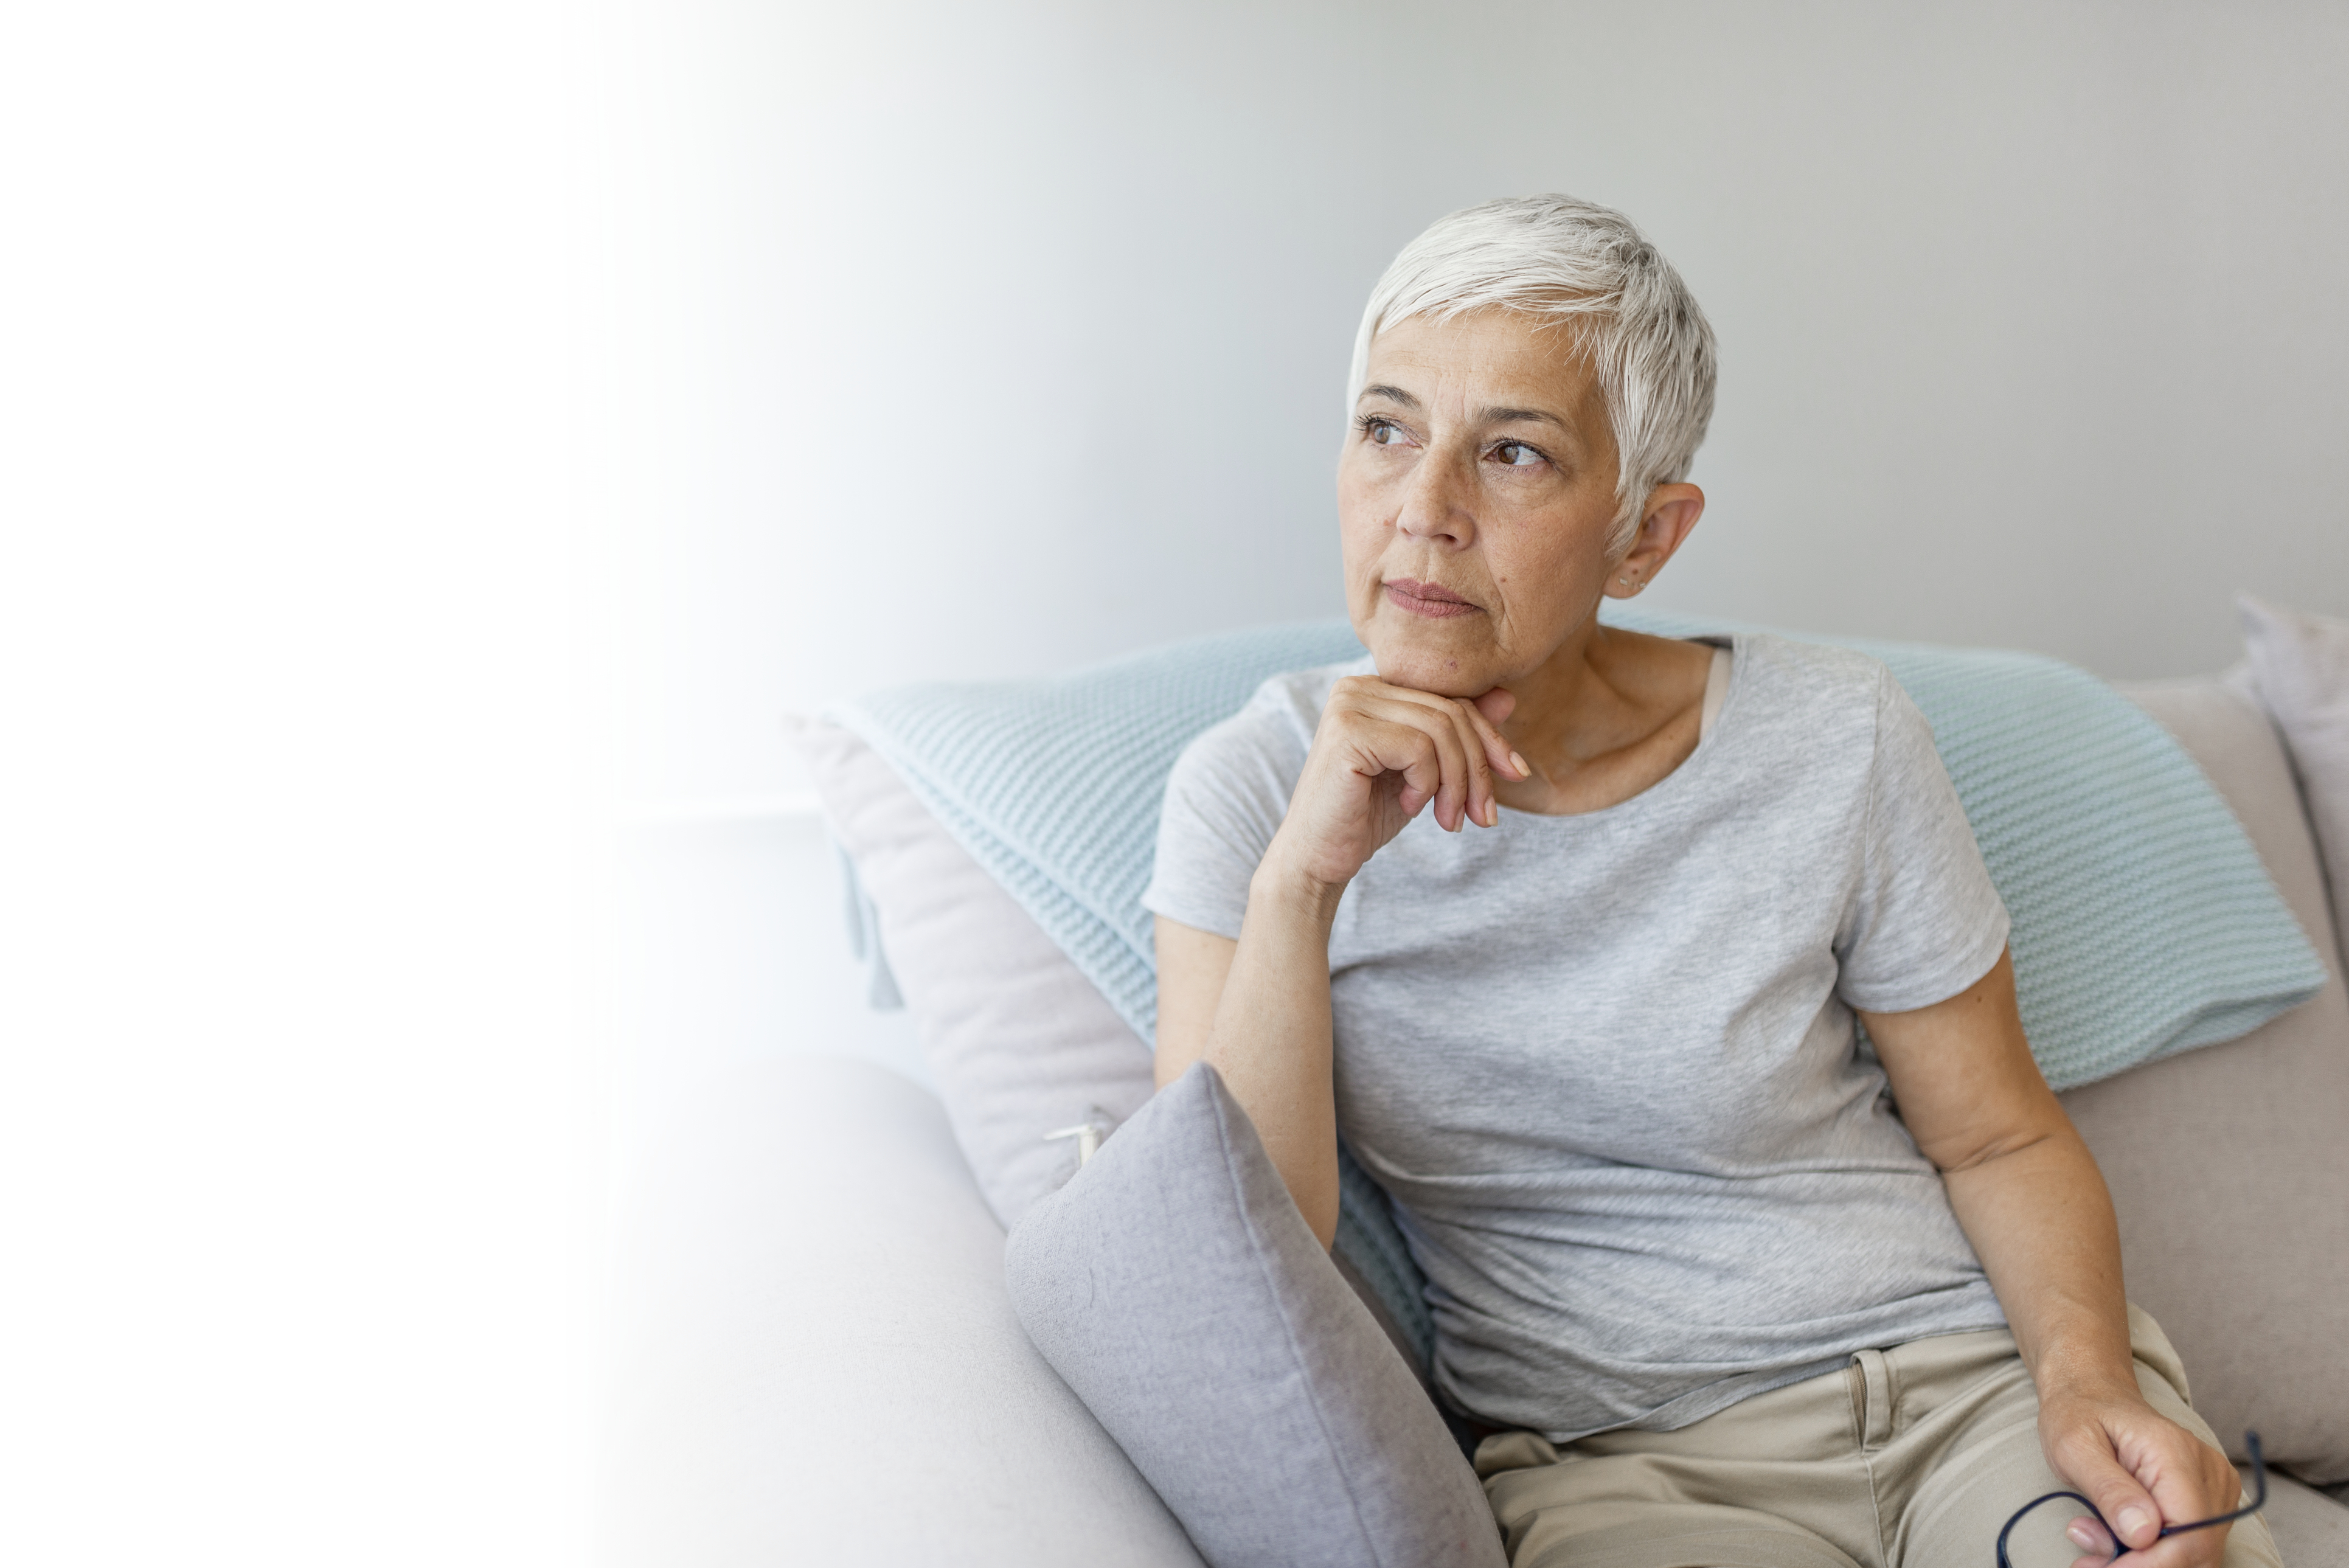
(2230, 1166)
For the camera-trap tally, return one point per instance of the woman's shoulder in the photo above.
(1810, 683)
(1809, 711)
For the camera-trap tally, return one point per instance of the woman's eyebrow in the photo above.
(1514, 416)
(1503, 415)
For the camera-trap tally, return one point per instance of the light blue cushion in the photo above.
(2144, 921)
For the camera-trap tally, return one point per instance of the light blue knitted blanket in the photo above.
(2143, 923)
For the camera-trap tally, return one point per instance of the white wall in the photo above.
(980, 341)
(297, 1178)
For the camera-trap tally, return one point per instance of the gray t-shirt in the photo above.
(1606, 1065)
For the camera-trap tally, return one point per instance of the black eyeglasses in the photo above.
(2258, 1500)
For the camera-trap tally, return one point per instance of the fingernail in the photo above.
(1492, 813)
(2132, 1520)
(2082, 1537)
(1518, 763)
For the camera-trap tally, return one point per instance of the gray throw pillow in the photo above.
(1175, 1287)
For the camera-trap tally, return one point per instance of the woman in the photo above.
(1568, 928)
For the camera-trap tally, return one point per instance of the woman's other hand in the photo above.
(1382, 754)
(2142, 1471)
(2027, 1191)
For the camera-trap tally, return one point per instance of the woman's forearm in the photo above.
(1381, 754)
(2019, 1180)
(2023, 1183)
(2041, 1222)
(1271, 1039)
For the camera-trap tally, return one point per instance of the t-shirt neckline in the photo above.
(1709, 744)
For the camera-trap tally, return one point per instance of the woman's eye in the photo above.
(1383, 433)
(1517, 454)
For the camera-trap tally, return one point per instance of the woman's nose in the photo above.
(1437, 505)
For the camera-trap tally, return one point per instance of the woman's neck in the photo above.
(1607, 716)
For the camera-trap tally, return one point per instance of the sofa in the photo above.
(816, 1361)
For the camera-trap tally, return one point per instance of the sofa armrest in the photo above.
(815, 1359)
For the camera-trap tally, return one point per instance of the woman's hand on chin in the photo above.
(1382, 754)
(2143, 1472)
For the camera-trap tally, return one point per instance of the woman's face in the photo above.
(1475, 497)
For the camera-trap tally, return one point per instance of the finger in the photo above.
(1487, 751)
(2094, 1541)
(1476, 754)
(2193, 1549)
(1481, 751)
(1485, 713)
(2189, 1490)
(1502, 758)
(1421, 775)
(1469, 747)
(2128, 1509)
(2186, 1479)
(1433, 724)
(1461, 770)
(1407, 739)
(1361, 717)
(1490, 710)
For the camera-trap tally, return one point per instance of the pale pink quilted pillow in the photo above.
(1019, 1043)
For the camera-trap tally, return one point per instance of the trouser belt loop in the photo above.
(1875, 1399)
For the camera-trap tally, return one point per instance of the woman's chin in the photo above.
(1408, 662)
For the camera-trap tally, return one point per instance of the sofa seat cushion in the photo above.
(816, 1361)
(2310, 1529)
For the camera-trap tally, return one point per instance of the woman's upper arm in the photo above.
(1963, 1073)
(1192, 967)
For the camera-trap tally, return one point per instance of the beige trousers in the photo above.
(1909, 1458)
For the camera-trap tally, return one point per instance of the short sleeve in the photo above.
(1925, 921)
(1225, 801)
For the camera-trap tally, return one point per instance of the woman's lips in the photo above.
(1437, 604)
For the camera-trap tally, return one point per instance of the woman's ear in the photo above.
(1671, 513)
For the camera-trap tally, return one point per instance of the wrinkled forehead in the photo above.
(1496, 356)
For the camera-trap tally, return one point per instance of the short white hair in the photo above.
(1562, 259)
